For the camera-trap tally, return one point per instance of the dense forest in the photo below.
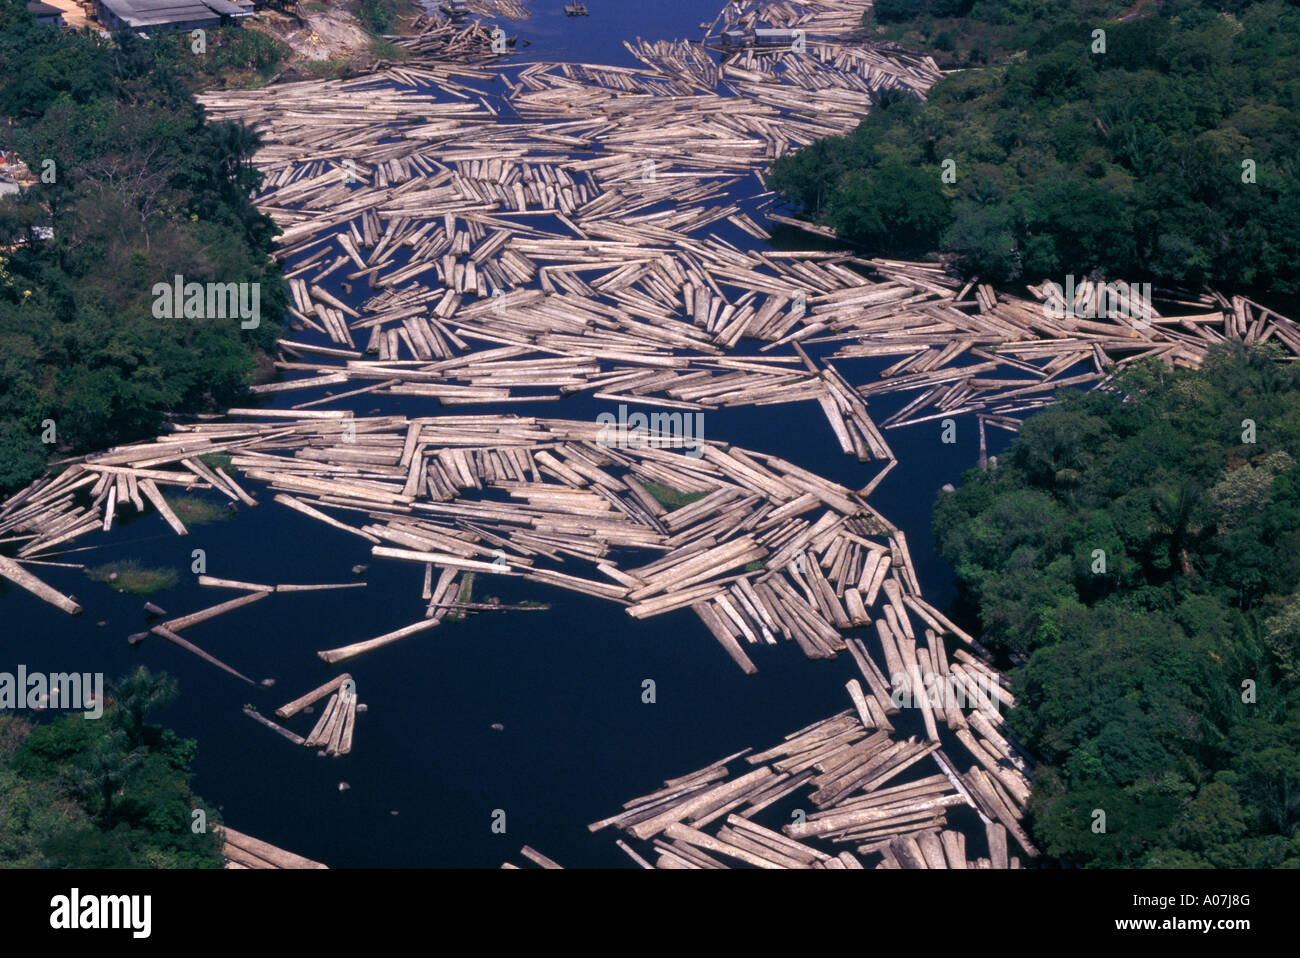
(137, 190)
(1162, 148)
(111, 792)
(1137, 550)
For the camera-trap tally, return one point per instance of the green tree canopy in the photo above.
(1141, 558)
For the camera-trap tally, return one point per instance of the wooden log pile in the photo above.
(815, 17)
(440, 38)
(589, 231)
(765, 552)
(332, 733)
(886, 797)
(538, 259)
(244, 851)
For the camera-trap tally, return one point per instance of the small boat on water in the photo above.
(575, 9)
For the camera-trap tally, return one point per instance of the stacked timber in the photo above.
(575, 249)
(886, 797)
(244, 851)
(443, 39)
(760, 549)
(333, 732)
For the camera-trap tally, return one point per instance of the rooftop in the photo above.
(151, 13)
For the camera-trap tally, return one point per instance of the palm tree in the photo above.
(1052, 452)
(139, 694)
(1174, 511)
(104, 769)
(234, 144)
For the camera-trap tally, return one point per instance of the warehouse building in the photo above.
(150, 16)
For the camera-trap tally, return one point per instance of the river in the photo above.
(427, 770)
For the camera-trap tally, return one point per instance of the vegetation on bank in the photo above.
(234, 56)
(111, 792)
(1142, 549)
(965, 33)
(137, 190)
(1170, 157)
(382, 16)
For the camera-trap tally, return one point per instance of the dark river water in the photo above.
(427, 771)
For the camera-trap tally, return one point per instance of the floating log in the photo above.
(215, 583)
(153, 495)
(19, 576)
(315, 695)
(188, 646)
(357, 648)
(194, 618)
(278, 729)
(278, 857)
(534, 855)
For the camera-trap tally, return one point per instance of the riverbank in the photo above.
(94, 354)
(1077, 142)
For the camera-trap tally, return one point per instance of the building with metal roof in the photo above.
(164, 15)
(44, 13)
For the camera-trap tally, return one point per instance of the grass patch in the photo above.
(326, 69)
(754, 566)
(388, 50)
(670, 497)
(216, 460)
(194, 510)
(133, 578)
(381, 16)
(466, 594)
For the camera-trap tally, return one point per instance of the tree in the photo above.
(1128, 163)
(79, 793)
(143, 191)
(104, 767)
(139, 694)
(1161, 687)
